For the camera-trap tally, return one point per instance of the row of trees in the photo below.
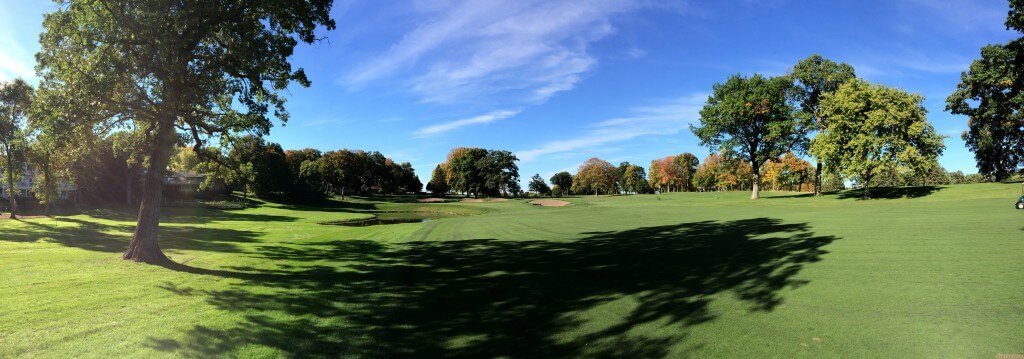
(251, 163)
(476, 171)
(27, 141)
(726, 172)
(673, 173)
(595, 176)
(852, 127)
(676, 174)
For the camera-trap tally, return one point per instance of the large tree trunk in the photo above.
(756, 179)
(144, 246)
(817, 180)
(867, 184)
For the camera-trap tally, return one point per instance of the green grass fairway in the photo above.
(926, 272)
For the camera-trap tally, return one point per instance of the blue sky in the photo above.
(558, 82)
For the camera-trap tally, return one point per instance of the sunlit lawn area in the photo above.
(926, 272)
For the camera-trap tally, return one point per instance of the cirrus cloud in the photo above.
(666, 118)
(524, 51)
(449, 126)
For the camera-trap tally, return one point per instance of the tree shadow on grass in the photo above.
(494, 298)
(890, 192)
(113, 238)
(333, 206)
(781, 195)
(187, 215)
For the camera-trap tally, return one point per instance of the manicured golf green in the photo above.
(926, 272)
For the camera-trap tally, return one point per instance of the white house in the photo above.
(23, 188)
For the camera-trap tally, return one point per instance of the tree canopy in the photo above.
(874, 127)
(561, 183)
(538, 185)
(438, 184)
(477, 171)
(634, 180)
(814, 77)
(752, 117)
(673, 173)
(15, 104)
(989, 95)
(202, 67)
(595, 176)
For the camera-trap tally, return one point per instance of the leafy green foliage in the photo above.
(438, 183)
(1015, 18)
(815, 76)
(15, 104)
(634, 180)
(989, 93)
(561, 183)
(271, 171)
(477, 171)
(538, 185)
(752, 117)
(205, 68)
(356, 171)
(874, 127)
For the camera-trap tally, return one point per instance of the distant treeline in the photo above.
(725, 172)
(112, 174)
(268, 171)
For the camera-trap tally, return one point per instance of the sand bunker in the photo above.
(432, 200)
(550, 203)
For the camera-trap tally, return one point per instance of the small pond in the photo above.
(390, 218)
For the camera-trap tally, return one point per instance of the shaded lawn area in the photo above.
(491, 298)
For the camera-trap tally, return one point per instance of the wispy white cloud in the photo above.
(448, 126)
(467, 49)
(319, 122)
(937, 67)
(960, 15)
(910, 63)
(636, 53)
(667, 118)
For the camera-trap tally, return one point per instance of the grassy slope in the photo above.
(701, 274)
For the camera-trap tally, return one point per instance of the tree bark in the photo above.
(867, 184)
(144, 246)
(817, 180)
(756, 179)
